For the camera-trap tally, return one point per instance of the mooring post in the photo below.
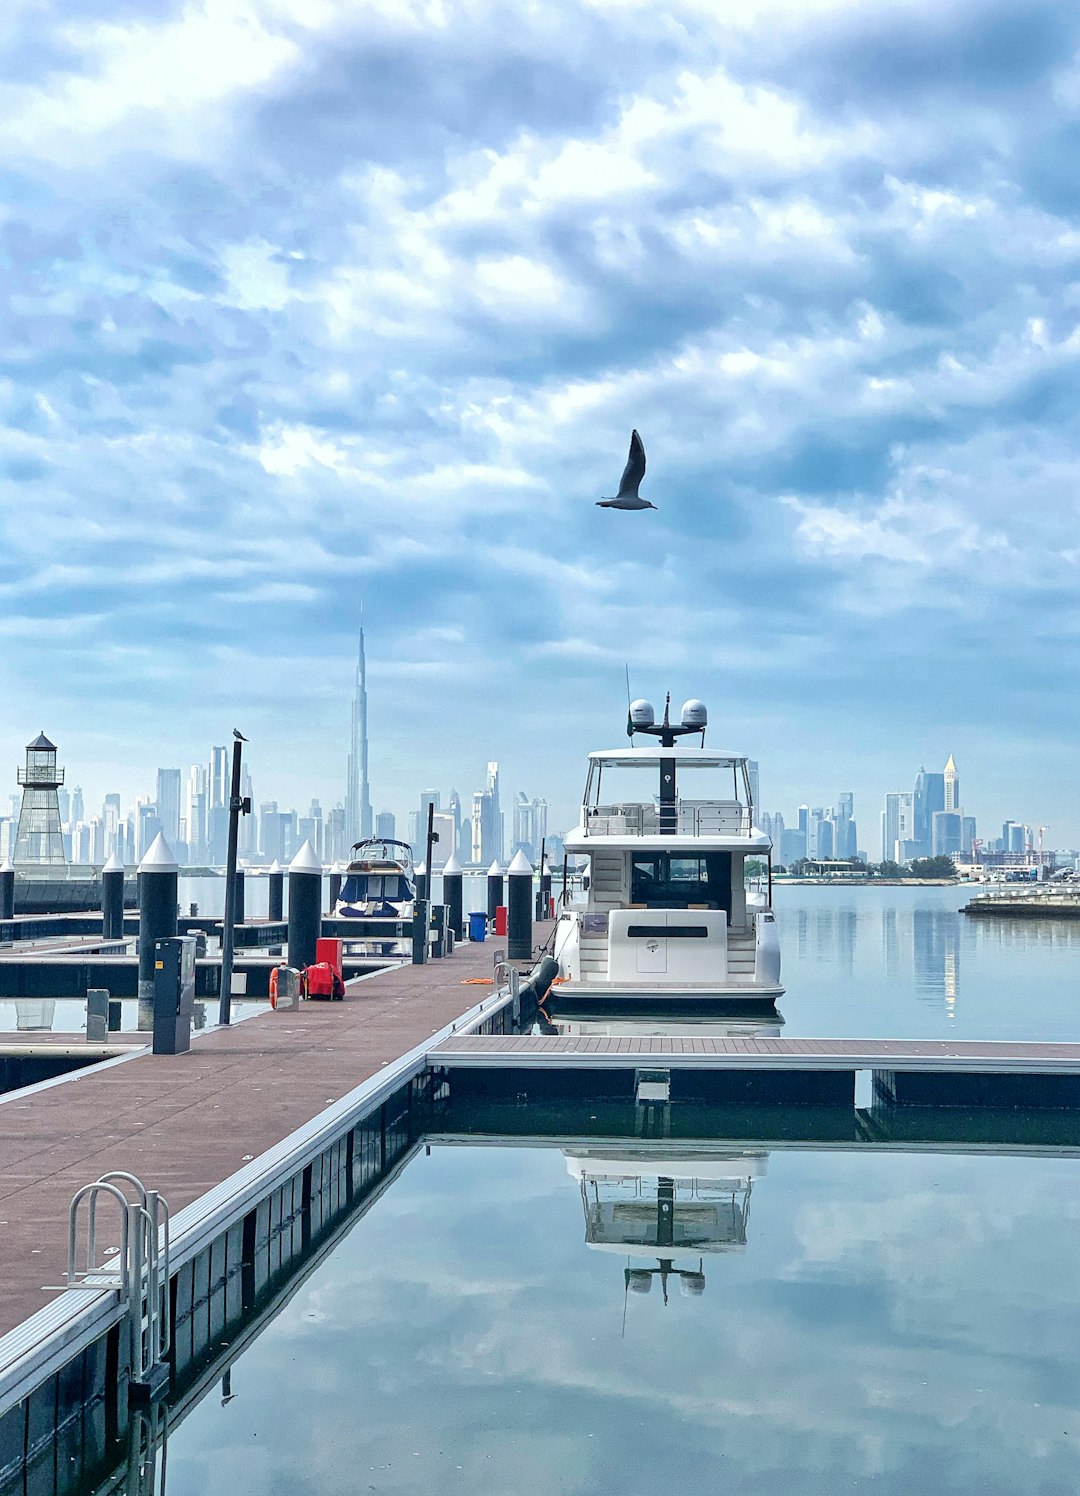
(422, 881)
(7, 889)
(452, 895)
(112, 899)
(335, 887)
(545, 886)
(276, 895)
(519, 941)
(495, 890)
(305, 906)
(420, 932)
(157, 881)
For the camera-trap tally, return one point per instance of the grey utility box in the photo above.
(174, 994)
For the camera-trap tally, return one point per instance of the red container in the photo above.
(330, 951)
(500, 919)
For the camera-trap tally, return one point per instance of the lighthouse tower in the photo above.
(39, 838)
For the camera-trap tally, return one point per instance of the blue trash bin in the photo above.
(477, 924)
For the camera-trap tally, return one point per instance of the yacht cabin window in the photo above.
(675, 880)
(359, 887)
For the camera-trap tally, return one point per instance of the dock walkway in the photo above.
(185, 1123)
(983, 1057)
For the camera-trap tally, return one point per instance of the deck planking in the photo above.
(185, 1123)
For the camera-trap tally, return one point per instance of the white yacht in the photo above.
(665, 914)
(379, 886)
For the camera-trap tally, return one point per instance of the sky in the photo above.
(310, 305)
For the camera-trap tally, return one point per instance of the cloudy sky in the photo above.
(308, 302)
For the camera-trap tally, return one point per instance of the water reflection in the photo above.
(665, 1214)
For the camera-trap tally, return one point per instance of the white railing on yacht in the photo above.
(692, 818)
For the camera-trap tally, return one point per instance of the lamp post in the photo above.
(237, 806)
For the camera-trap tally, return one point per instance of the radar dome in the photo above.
(642, 714)
(695, 714)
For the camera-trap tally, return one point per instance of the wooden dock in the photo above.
(185, 1123)
(983, 1057)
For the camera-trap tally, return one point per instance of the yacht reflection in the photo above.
(665, 1214)
(642, 1025)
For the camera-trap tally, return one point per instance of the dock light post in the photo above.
(112, 899)
(452, 896)
(305, 906)
(545, 881)
(238, 806)
(519, 940)
(158, 875)
(494, 889)
(276, 896)
(7, 889)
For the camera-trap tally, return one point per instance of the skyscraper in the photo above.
(358, 820)
(168, 804)
(385, 824)
(217, 807)
(897, 825)
(952, 785)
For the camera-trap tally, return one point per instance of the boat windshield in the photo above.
(358, 888)
(676, 880)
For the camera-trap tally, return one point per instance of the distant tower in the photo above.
(358, 819)
(952, 785)
(39, 838)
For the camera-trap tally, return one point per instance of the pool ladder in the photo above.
(138, 1268)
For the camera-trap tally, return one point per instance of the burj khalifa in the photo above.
(358, 819)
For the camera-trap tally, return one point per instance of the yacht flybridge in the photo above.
(665, 914)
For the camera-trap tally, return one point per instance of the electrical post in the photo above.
(237, 807)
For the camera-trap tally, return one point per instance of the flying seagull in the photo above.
(633, 472)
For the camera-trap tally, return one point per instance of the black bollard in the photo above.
(112, 899)
(495, 890)
(421, 916)
(422, 881)
(545, 890)
(277, 891)
(158, 875)
(238, 898)
(335, 888)
(305, 906)
(519, 941)
(452, 896)
(7, 889)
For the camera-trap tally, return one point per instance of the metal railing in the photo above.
(691, 818)
(139, 1268)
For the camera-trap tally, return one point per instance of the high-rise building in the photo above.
(792, 846)
(77, 812)
(385, 824)
(946, 833)
(168, 804)
(929, 799)
(358, 819)
(952, 785)
(967, 835)
(487, 840)
(147, 826)
(195, 813)
(39, 837)
(755, 782)
(530, 826)
(217, 807)
(418, 820)
(897, 825)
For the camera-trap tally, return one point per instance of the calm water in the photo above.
(845, 1320)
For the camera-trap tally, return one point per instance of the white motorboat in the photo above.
(665, 914)
(379, 887)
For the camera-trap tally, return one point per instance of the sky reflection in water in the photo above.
(896, 1322)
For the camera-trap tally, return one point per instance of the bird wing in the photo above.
(634, 470)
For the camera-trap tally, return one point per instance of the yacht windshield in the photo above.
(359, 887)
(676, 880)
